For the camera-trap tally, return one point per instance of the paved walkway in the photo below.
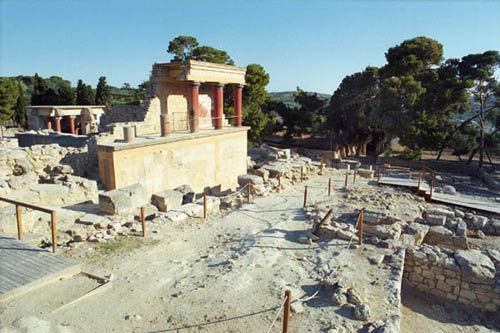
(24, 267)
(457, 200)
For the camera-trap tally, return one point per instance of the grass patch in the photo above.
(120, 246)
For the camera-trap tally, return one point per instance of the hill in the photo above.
(287, 97)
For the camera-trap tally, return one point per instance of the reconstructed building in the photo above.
(195, 144)
(73, 119)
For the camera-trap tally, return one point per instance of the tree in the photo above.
(103, 92)
(21, 104)
(39, 90)
(308, 118)
(479, 72)
(84, 94)
(181, 47)
(66, 95)
(8, 96)
(419, 95)
(211, 54)
(352, 107)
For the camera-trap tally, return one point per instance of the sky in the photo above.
(308, 44)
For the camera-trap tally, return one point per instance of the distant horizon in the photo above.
(312, 45)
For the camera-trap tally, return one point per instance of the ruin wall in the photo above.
(438, 273)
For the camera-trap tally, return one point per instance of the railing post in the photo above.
(249, 189)
(329, 186)
(419, 181)
(305, 197)
(286, 313)
(321, 166)
(360, 227)
(346, 177)
(19, 222)
(205, 205)
(354, 178)
(143, 221)
(432, 187)
(301, 173)
(53, 222)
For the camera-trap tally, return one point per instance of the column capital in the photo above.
(238, 85)
(194, 83)
(219, 85)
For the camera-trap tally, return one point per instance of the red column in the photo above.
(48, 122)
(194, 106)
(237, 89)
(72, 124)
(58, 124)
(218, 105)
(164, 124)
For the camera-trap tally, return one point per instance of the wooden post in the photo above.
(305, 197)
(354, 178)
(419, 181)
(346, 177)
(249, 189)
(329, 186)
(323, 220)
(286, 313)
(360, 227)
(205, 205)
(301, 173)
(143, 221)
(19, 222)
(432, 187)
(53, 218)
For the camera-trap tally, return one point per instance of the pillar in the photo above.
(48, 122)
(238, 94)
(194, 106)
(57, 121)
(71, 120)
(218, 105)
(164, 124)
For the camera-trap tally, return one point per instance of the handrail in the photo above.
(53, 218)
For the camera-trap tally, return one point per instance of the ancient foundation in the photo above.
(206, 158)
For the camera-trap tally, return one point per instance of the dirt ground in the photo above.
(225, 274)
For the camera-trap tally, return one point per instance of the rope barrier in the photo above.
(276, 315)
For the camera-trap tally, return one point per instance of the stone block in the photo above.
(264, 173)
(122, 200)
(175, 216)
(191, 210)
(166, 200)
(252, 179)
(383, 231)
(438, 235)
(438, 220)
(476, 266)
(373, 215)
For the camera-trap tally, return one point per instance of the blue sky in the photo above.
(311, 44)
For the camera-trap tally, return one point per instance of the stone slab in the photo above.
(24, 267)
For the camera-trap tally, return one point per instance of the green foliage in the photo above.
(52, 91)
(84, 94)
(21, 104)
(352, 108)
(412, 56)
(182, 47)
(464, 140)
(9, 93)
(103, 93)
(411, 155)
(186, 47)
(211, 54)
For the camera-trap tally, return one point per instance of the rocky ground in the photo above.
(229, 273)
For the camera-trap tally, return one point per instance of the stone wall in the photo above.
(206, 158)
(469, 277)
(145, 118)
(29, 139)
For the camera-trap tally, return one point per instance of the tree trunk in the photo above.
(472, 155)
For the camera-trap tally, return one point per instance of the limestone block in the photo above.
(175, 216)
(264, 173)
(438, 235)
(438, 220)
(90, 219)
(375, 215)
(213, 203)
(188, 194)
(123, 200)
(191, 210)
(383, 231)
(476, 266)
(365, 173)
(166, 200)
(418, 231)
(448, 189)
(440, 212)
(252, 179)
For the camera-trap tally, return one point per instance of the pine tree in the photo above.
(39, 90)
(103, 93)
(21, 103)
(84, 94)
